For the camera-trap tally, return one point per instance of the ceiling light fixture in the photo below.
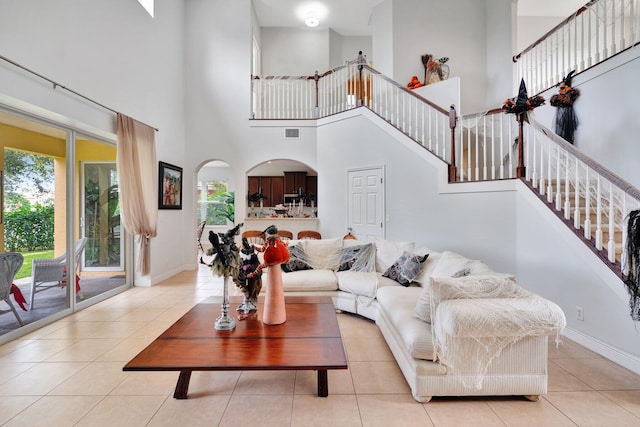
(312, 21)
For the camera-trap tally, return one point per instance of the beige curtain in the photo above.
(137, 170)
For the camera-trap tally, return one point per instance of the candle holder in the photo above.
(225, 322)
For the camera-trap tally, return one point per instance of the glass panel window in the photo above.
(215, 203)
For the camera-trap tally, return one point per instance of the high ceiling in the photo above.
(352, 17)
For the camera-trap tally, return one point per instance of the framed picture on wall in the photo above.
(169, 186)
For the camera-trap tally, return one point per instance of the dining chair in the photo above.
(51, 272)
(285, 235)
(309, 234)
(254, 236)
(10, 263)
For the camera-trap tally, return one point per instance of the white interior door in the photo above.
(366, 203)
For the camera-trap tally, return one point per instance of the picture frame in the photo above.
(169, 186)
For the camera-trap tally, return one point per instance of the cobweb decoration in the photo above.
(632, 278)
(476, 317)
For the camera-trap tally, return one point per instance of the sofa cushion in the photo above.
(398, 302)
(450, 264)
(387, 252)
(309, 280)
(446, 264)
(509, 317)
(322, 254)
(476, 286)
(406, 268)
(430, 264)
(358, 282)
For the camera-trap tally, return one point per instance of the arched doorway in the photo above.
(215, 200)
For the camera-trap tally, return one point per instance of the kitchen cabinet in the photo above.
(272, 188)
(295, 182)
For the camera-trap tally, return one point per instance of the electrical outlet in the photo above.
(580, 313)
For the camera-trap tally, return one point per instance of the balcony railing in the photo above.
(597, 31)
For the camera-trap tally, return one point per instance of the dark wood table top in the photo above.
(309, 339)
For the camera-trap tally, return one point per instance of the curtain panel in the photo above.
(137, 171)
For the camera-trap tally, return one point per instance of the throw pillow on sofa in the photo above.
(406, 268)
(296, 260)
(358, 258)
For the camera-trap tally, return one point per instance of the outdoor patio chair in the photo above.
(49, 273)
(199, 231)
(10, 263)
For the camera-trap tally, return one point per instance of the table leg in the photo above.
(323, 383)
(182, 387)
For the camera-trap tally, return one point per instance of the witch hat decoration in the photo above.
(522, 95)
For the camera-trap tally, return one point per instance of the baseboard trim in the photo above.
(622, 358)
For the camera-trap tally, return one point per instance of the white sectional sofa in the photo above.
(454, 326)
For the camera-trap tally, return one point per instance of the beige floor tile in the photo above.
(100, 315)
(258, 410)
(147, 384)
(591, 408)
(99, 378)
(12, 346)
(266, 382)
(569, 349)
(203, 411)
(125, 350)
(122, 411)
(561, 380)
(454, 412)
(312, 411)
(398, 410)
(378, 378)
(212, 383)
(372, 349)
(629, 400)
(142, 314)
(519, 412)
(601, 373)
(356, 327)
(84, 350)
(37, 350)
(339, 381)
(84, 330)
(10, 406)
(55, 411)
(153, 329)
(40, 379)
(12, 370)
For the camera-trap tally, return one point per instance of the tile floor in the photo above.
(70, 374)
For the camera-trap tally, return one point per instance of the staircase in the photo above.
(591, 200)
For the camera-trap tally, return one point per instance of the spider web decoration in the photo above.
(632, 279)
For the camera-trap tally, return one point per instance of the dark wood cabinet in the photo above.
(295, 182)
(312, 189)
(272, 188)
(277, 190)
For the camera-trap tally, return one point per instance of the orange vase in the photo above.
(274, 312)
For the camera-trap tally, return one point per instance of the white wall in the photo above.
(443, 28)
(294, 52)
(415, 209)
(382, 37)
(116, 54)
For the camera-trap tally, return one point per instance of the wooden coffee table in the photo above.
(309, 340)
